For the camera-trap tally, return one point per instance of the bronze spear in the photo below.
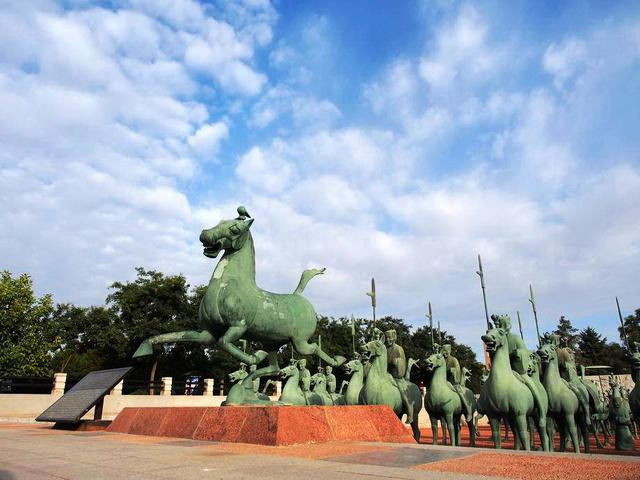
(624, 331)
(480, 272)
(532, 300)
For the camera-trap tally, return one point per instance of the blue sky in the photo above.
(394, 139)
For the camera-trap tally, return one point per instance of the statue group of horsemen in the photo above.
(537, 391)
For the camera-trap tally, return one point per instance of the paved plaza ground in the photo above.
(34, 451)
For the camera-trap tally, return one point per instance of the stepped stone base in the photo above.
(266, 425)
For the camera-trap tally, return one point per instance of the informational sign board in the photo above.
(89, 391)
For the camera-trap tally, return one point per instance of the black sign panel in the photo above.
(74, 404)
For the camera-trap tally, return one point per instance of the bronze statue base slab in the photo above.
(266, 425)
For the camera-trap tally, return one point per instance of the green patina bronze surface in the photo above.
(381, 388)
(621, 416)
(587, 392)
(504, 394)
(564, 404)
(235, 308)
(634, 396)
(353, 394)
(442, 401)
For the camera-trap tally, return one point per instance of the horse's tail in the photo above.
(305, 277)
(410, 364)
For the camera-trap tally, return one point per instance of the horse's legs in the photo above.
(517, 445)
(457, 425)
(522, 432)
(450, 429)
(595, 430)
(584, 433)
(506, 429)
(472, 433)
(434, 429)
(146, 348)
(232, 335)
(551, 432)
(443, 426)
(416, 430)
(570, 426)
(271, 369)
(496, 435)
(303, 347)
(562, 430)
(542, 435)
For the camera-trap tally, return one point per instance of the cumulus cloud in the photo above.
(103, 123)
(111, 119)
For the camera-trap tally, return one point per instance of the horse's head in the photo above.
(353, 366)
(434, 361)
(238, 375)
(227, 235)
(533, 366)
(288, 371)
(374, 348)
(494, 338)
(548, 353)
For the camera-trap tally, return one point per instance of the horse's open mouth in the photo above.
(429, 366)
(212, 251)
(491, 344)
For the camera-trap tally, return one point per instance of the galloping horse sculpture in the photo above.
(503, 394)
(380, 390)
(234, 307)
(442, 402)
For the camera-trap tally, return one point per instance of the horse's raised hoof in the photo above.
(144, 350)
(339, 359)
(259, 356)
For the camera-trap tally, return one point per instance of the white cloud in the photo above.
(282, 102)
(462, 53)
(265, 171)
(206, 140)
(103, 121)
(563, 60)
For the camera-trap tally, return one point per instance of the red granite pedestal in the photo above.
(266, 425)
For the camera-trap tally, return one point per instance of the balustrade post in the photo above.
(59, 382)
(166, 385)
(208, 386)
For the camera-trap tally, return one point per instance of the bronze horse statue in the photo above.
(234, 307)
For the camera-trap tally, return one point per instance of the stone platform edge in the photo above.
(266, 425)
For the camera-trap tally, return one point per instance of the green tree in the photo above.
(150, 305)
(632, 327)
(26, 338)
(591, 348)
(567, 333)
(615, 355)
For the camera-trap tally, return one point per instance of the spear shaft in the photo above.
(430, 317)
(520, 324)
(532, 300)
(624, 330)
(480, 273)
(353, 333)
(372, 294)
(439, 334)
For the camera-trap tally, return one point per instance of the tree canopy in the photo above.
(37, 338)
(26, 338)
